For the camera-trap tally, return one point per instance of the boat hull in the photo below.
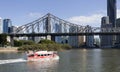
(43, 59)
(43, 56)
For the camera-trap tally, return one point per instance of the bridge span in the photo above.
(54, 26)
(63, 34)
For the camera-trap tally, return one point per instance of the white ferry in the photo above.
(42, 56)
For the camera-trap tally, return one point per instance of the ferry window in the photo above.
(38, 55)
(45, 54)
(49, 54)
(31, 55)
(42, 55)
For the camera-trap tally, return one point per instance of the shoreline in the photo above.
(8, 49)
(14, 49)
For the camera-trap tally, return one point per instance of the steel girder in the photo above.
(52, 24)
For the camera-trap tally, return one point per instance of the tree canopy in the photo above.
(3, 39)
(45, 41)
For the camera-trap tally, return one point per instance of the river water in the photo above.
(78, 60)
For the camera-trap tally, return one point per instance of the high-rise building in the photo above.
(106, 40)
(13, 29)
(75, 41)
(0, 25)
(111, 12)
(118, 36)
(89, 38)
(58, 39)
(7, 24)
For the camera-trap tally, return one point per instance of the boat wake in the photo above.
(12, 61)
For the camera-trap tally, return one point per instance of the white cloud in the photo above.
(35, 15)
(92, 20)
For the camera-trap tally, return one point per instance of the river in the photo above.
(77, 60)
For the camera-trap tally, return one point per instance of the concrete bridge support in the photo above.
(49, 37)
(12, 40)
(33, 38)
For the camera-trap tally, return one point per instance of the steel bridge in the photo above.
(50, 25)
(54, 26)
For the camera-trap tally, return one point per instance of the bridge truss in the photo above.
(52, 24)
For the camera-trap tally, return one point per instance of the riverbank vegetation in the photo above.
(45, 45)
(18, 43)
(3, 40)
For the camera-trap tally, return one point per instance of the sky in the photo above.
(83, 12)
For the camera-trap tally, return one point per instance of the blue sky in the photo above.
(77, 11)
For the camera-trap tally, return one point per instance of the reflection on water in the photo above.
(43, 66)
(91, 61)
(79, 60)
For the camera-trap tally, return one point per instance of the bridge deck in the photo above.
(64, 34)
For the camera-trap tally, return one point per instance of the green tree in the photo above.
(18, 43)
(45, 41)
(27, 42)
(3, 39)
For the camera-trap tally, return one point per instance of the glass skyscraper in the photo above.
(7, 24)
(111, 12)
(106, 40)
